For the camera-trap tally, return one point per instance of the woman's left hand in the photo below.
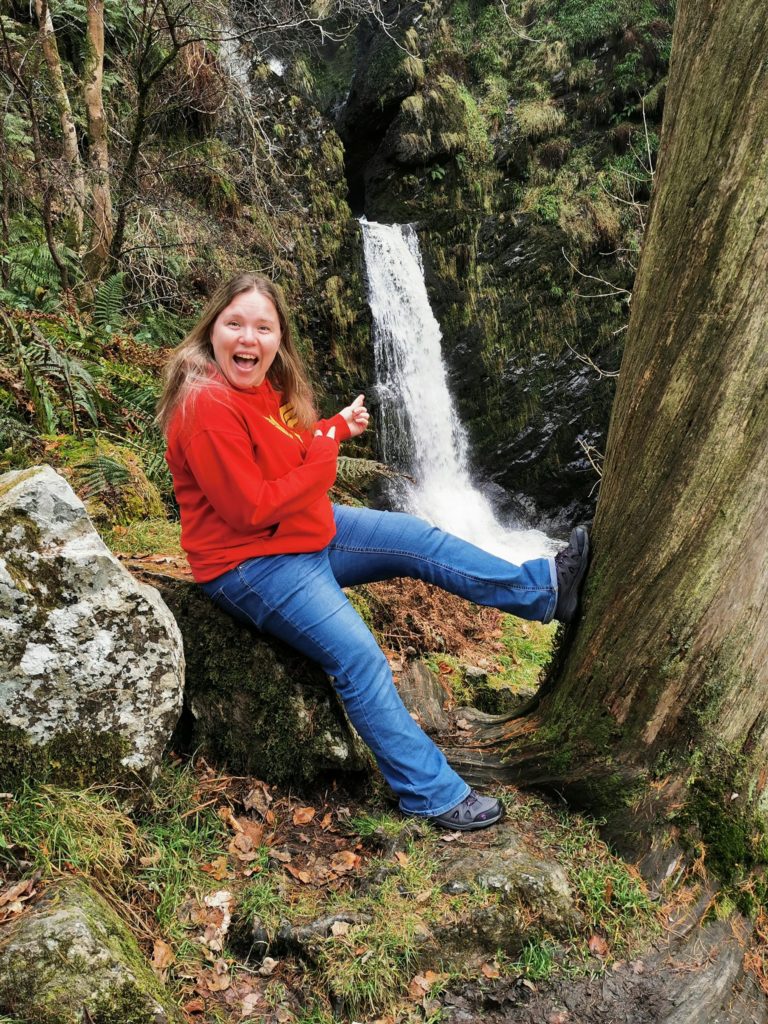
(357, 416)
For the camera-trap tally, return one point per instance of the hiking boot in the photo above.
(474, 811)
(571, 565)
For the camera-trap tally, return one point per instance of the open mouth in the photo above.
(245, 362)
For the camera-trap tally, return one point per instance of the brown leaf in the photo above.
(401, 858)
(258, 799)
(162, 958)
(154, 858)
(340, 928)
(490, 972)
(327, 819)
(299, 873)
(608, 893)
(249, 1003)
(303, 815)
(281, 855)
(561, 1017)
(418, 988)
(598, 945)
(424, 896)
(218, 979)
(196, 1005)
(253, 829)
(242, 848)
(20, 891)
(217, 869)
(344, 860)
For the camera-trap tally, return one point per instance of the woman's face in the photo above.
(245, 337)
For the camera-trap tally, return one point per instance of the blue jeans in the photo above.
(299, 599)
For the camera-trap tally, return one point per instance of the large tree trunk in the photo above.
(97, 256)
(662, 694)
(76, 200)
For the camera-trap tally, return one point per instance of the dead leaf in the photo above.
(450, 837)
(344, 860)
(241, 847)
(462, 723)
(218, 869)
(490, 972)
(401, 858)
(418, 988)
(298, 873)
(267, 966)
(20, 891)
(340, 928)
(303, 815)
(281, 855)
(162, 958)
(218, 979)
(424, 896)
(249, 1003)
(561, 1017)
(258, 799)
(608, 893)
(598, 945)
(283, 1015)
(154, 858)
(196, 1005)
(326, 822)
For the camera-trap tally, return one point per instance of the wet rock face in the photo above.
(72, 959)
(254, 703)
(91, 661)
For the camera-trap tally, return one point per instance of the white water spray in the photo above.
(421, 430)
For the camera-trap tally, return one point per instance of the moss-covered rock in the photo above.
(71, 959)
(253, 703)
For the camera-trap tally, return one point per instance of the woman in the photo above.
(251, 470)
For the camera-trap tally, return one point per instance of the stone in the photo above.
(91, 660)
(253, 703)
(523, 888)
(70, 958)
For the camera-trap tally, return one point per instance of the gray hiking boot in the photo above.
(571, 565)
(474, 811)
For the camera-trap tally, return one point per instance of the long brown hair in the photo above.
(191, 363)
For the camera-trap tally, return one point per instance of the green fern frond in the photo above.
(101, 474)
(361, 472)
(108, 302)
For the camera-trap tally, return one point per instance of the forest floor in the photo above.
(254, 903)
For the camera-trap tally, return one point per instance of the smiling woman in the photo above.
(245, 337)
(251, 470)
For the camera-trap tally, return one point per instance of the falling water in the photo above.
(421, 429)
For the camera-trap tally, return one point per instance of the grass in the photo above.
(145, 537)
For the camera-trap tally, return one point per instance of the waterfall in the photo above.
(421, 430)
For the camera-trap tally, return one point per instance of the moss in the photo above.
(109, 478)
(70, 758)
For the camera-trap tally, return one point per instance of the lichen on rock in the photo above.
(88, 653)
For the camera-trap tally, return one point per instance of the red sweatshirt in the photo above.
(247, 483)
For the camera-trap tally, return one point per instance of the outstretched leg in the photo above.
(296, 598)
(371, 545)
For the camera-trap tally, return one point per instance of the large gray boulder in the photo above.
(91, 660)
(71, 959)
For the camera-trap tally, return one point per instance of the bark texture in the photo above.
(76, 200)
(97, 256)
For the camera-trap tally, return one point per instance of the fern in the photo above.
(102, 474)
(360, 473)
(108, 302)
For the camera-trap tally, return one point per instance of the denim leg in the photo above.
(371, 545)
(296, 598)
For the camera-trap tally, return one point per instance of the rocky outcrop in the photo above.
(253, 703)
(71, 959)
(91, 660)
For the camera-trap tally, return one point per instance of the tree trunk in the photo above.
(97, 256)
(69, 133)
(662, 694)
